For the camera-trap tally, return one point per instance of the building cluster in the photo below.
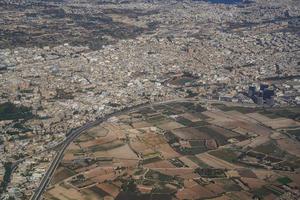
(66, 85)
(264, 95)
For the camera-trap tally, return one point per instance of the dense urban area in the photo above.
(171, 99)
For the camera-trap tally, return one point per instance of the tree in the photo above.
(129, 186)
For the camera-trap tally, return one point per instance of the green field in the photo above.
(225, 154)
(291, 112)
(284, 180)
(272, 149)
(157, 176)
(295, 132)
(240, 109)
(198, 161)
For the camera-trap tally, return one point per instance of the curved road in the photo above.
(70, 137)
(48, 175)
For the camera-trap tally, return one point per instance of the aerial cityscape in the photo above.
(149, 99)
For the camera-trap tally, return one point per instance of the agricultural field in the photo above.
(184, 150)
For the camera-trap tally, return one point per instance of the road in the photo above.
(74, 134)
(70, 137)
(54, 164)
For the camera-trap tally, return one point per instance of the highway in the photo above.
(70, 137)
(54, 164)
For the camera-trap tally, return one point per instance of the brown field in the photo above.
(263, 174)
(63, 193)
(190, 133)
(90, 193)
(117, 129)
(230, 119)
(105, 177)
(69, 156)
(232, 174)
(167, 152)
(226, 124)
(98, 131)
(240, 116)
(124, 117)
(187, 173)
(73, 147)
(289, 145)
(224, 132)
(84, 169)
(125, 163)
(60, 174)
(216, 162)
(282, 123)
(141, 124)
(254, 142)
(215, 188)
(112, 190)
(104, 147)
(98, 171)
(191, 117)
(240, 195)
(188, 162)
(147, 153)
(236, 121)
(194, 191)
(138, 146)
(270, 197)
(160, 164)
(152, 139)
(111, 136)
(157, 122)
(211, 144)
(218, 116)
(170, 126)
(84, 137)
(274, 123)
(223, 197)
(85, 184)
(255, 128)
(122, 126)
(123, 152)
(133, 133)
(253, 183)
(247, 173)
(258, 117)
(144, 189)
(251, 128)
(241, 131)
